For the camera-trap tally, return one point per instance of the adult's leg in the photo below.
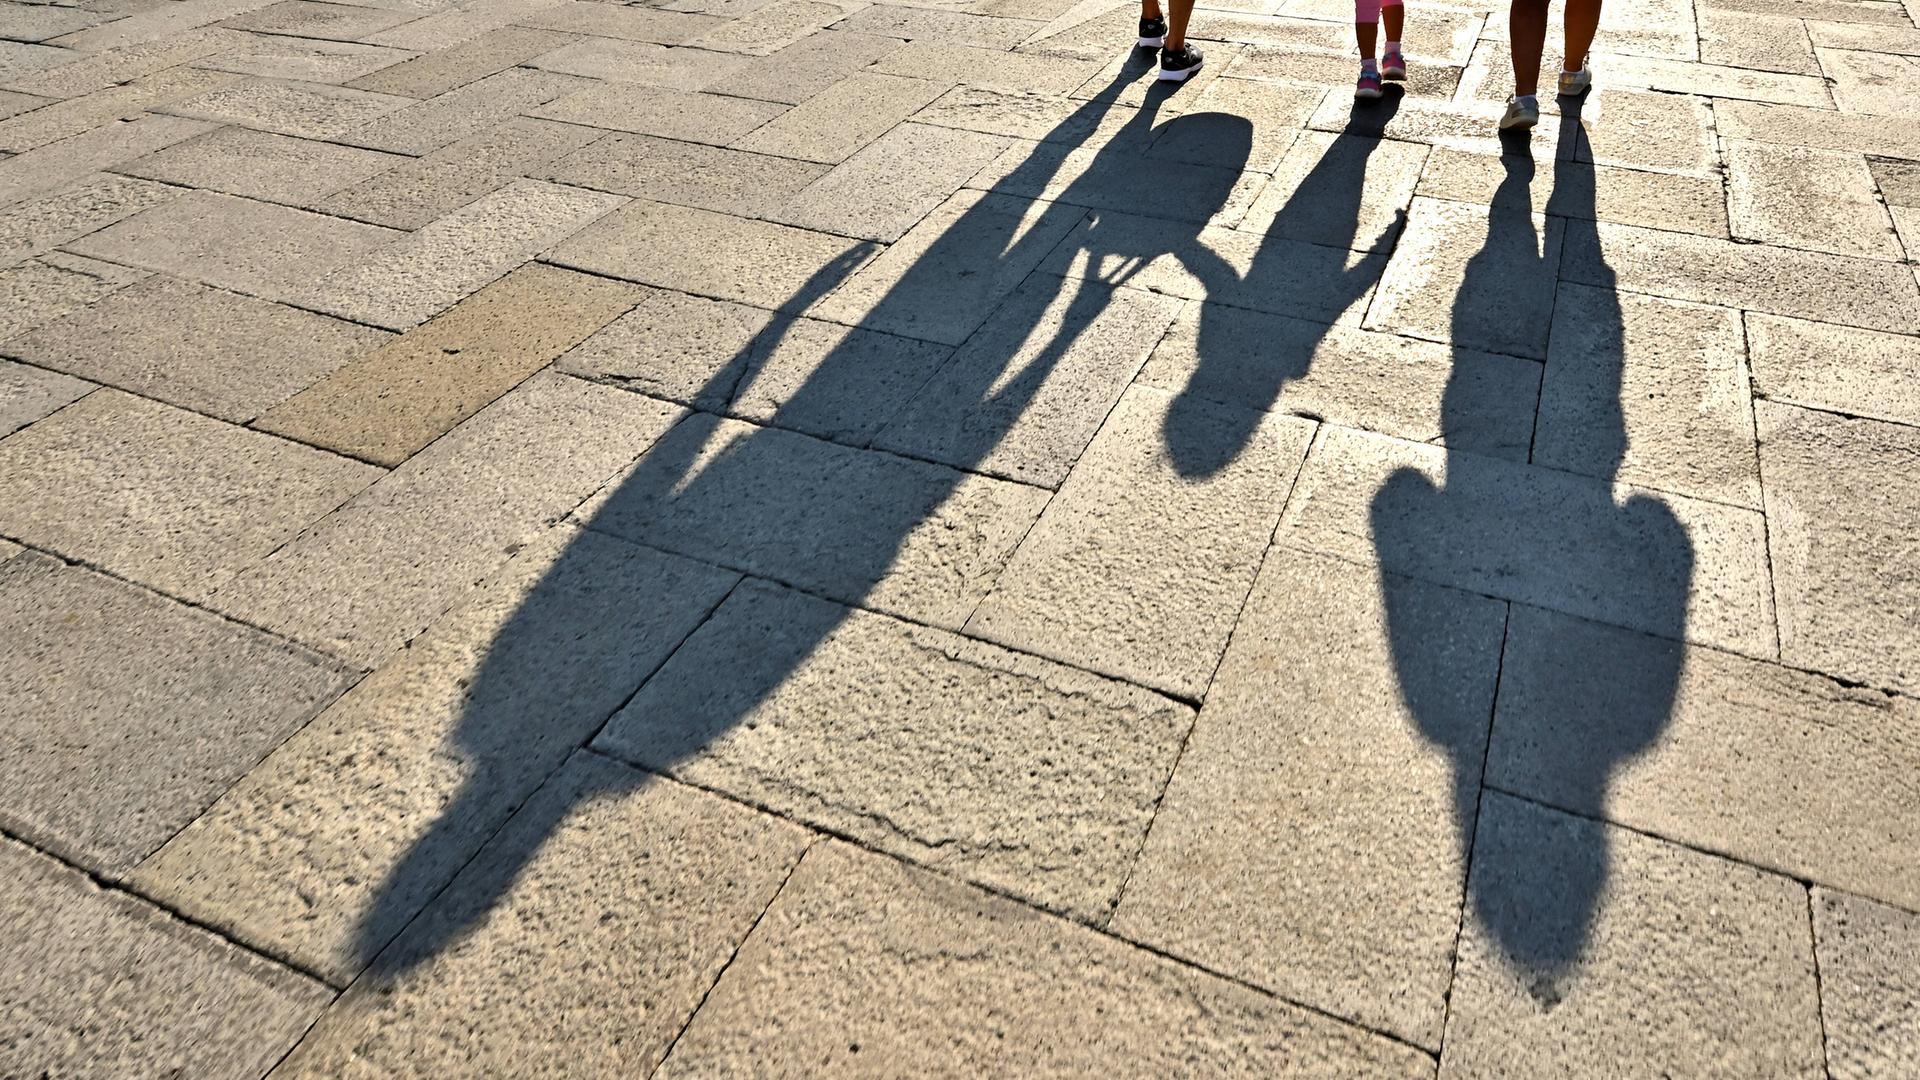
(1527, 32)
(1582, 23)
(1178, 11)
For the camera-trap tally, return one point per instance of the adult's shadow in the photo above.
(1545, 538)
(776, 505)
(1247, 359)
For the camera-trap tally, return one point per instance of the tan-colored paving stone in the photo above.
(1868, 988)
(80, 115)
(669, 114)
(19, 58)
(1208, 130)
(261, 165)
(37, 226)
(1259, 868)
(617, 21)
(327, 849)
(310, 18)
(689, 174)
(451, 28)
(1657, 200)
(306, 59)
(1052, 812)
(115, 65)
(1872, 81)
(1840, 534)
(830, 381)
(1865, 36)
(28, 394)
(630, 946)
(1766, 764)
(841, 119)
(426, 126)
(1661, 132)
(1340, 192)
(176, 341)
(1426, 77)
(1821, 200)
(162, 496)
(1766, 42)
(678, 67)
(372, 575)
(1479, 277)
(38, 22)
(1838, 368)
(103, 984)
(151, 23)
(1737, 1000)
(1893, 136)
(886, 187)
(700, 363)
(940, 27)
(55, 165)
(423, 190)
(929, 976)
(129, 713)
(981, 66)
(775, 26)
(1869, 12)
(38, 291)
(815, 63)
(434, 73)
(305, 110)
(387, 405)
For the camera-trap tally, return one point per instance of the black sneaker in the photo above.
(1153, 32)
(1177, 65)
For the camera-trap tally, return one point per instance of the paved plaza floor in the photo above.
(816, 538)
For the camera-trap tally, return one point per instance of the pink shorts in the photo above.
(1368, 11)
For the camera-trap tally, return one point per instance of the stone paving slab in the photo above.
(1866, 988)
(887, 186)
(668, 114)
(261, 165)
(1836, 368)
(81, 115)
(833, 124)
(29, 393)
(37, 291)
(433, 73)
(683, 68)
(423, 127)
(101, 984)
(305, 110)
(55, 165)
(814, 63)
(1821, 200)
(420, 191)
(306, 59)
(38, 226)
(685, 173)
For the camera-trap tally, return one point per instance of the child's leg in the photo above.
(1178, 11)
(1527, 27)
(1582, 23)
(1149, 9)
(1366, 13)
(1394, 14)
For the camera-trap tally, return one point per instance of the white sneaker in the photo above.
(1575, 83)
(1520, 114)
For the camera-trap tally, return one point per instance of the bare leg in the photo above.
(1395, 16)
(1363, 32)
(1527, 26)
(1178, 11)
(1149, 9)
(1582, 23)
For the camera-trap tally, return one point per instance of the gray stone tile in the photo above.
(1346, 192)
(329, 847)
(426, 126)
(755, 262)
(832, 382)
(1846, 576)
(55, 165)
(1898, 181)
(939, 27)
(889, 533)
(1866, 36)
(371, 576)
(1892, 136)
(699, 363)
(1052, 812)
(307, 110)
(890, 184)
(676, 67)
(1617, 947)
(619, 21)
(436, 72)
(1822, 200)
(38, 291)
(1351, 377)
(390, 403)
(450, 28)
(1467, 125)
(1854, 11)
(1139, 567)
(1868, 956)
(841, 119)
(1113, 179)
(251, 247)
(811, 65)
(124, 64)
(1778, 281)
(1022, 114)
(1669, 76)
(18, 58)
(1838, 368)
(669, 114)
(689, 174)
(1871, 81)
(1661, 132)
(1259, 868)
(306, 59)
(164, 497)
(630, 946)
(943, 279)
(1476, 276)
(28, 394)
(129, 713)
(1765, 764)
(422, 190)
(905, 967)
(1025, 394)
(261, 165)
(107, 108)
(1650, 392)
(1767, 42)
(12, 104)
(103, 984)
(429, 270)
(308, 18)
(147, 24)
(975, 65)
(38, 22)
(1212, 128)
(215, 352)
(1666, 564)
(770, 28)
(39, 225)
(1658, 200)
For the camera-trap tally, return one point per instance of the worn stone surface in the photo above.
(1676, 202)
(700, 364)
(683, 68)
(1479, 277)
(841, 119)
(890, 184)
(39, 225)
(309, 60)
(38, 291)
(1867, 984)
(441, 70)
(668, 114)
(305, 110)
(1767, 42)
(1837, 368)
(1341, 192)
(55, 165)
(812, 64)
(261, 165)
(1822, 200)
(29, 393)
(688, 174)
(307, 18)
(619, 21)
(423, 127)
(419, 191)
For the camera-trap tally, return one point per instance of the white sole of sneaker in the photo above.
(1153, 42)
(1394, 74)
(1178, 76)
(1366, 95)
(1518, 123)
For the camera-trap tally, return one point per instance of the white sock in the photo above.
(1393, 46)
(1367, 64)
(1527, 99)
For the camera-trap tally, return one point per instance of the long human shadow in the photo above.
(709, 481)
(1484, 520)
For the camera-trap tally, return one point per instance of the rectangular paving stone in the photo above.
(890, 184)
(441, 70)
(1481, 277)
(944, 278)
(1854, 11)
(977, 65)
(308, 18)
(1892, 136)
(1212, 128)
(306, 110)
(55, 165)
(841, 119)
(1356, 911)
(1867, 984)
(388, 404)
(128, 713)
(165, 497)
(145, 26)
(926, 975)
(1022, 114)
(755, 262)
(1026, 393)
(1108, 181)
(38, 291)
(620, 21)
(1822, 200)
(106, 108)
(1466, 125)
(689, 174)
(429, 270)
(1648, 391)
(669, 114)
(940, 27)
(28, 394)
(1348, 376)
(640, 940)
(1687, 964)
(115, 65)
(37, 226)
(1778, 281)
(1665, 564)
(1837, 368)
(370, 577)
(450, 28)
(1051, 812)
(1657, 200)
(1898, 181)
(1712, 80)
(433, 752)
(889, 533)
(680, 68)
(1767, 42)
(773, 27)
(1428, 76)
(252, 247)
(700, 363)
(830, 381)
(204, 349)
(19, 58)
(812, 64)
(423, 190)
(426, 126)
(1846, 575)
(306, 59)
(261, 165)
(1870, 81)
(99, 983)
(1661, 132)
(38, 22)
(1772, 766)
(1348, 192)
(1139, 567)
(1865, 36)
